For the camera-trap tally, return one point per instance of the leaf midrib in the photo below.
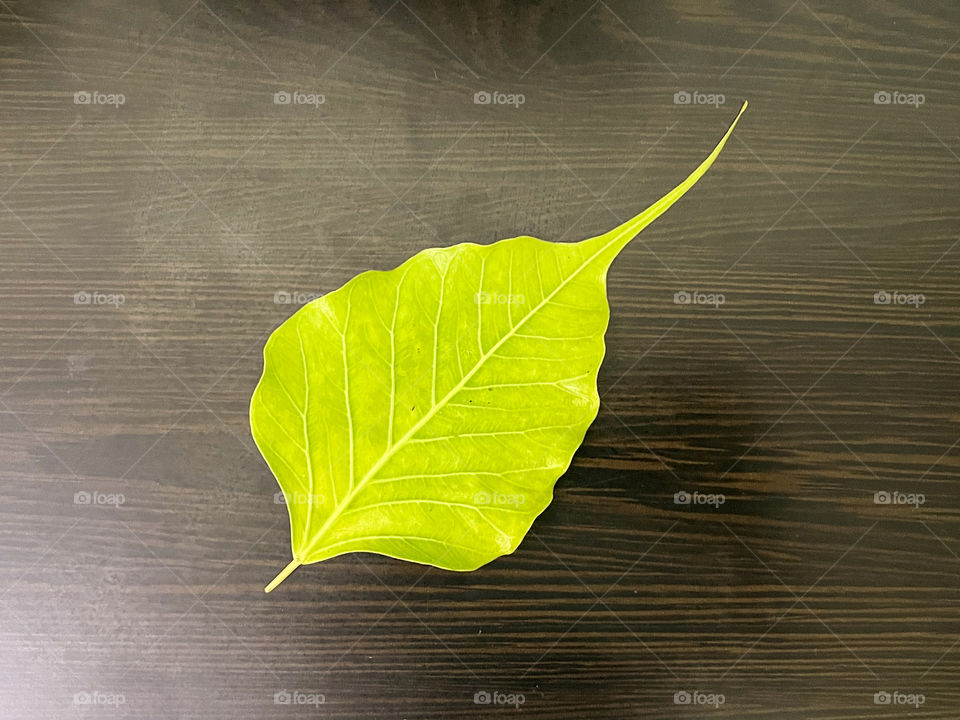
(391, 451)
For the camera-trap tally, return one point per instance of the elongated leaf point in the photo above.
(426, 413)
(614, 241)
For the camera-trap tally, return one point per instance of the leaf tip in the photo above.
(615, 240)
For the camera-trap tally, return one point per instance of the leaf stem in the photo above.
(284, 574)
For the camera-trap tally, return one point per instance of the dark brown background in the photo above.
(798, 398)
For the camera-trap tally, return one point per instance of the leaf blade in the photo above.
(497, 408)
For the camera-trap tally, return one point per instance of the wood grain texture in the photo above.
(199, 198)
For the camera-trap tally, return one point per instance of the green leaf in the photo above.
(425, 413)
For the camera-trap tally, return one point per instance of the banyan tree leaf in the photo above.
(426, 412)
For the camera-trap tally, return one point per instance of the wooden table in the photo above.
(148, 243)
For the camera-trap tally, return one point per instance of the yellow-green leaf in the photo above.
(426, 412)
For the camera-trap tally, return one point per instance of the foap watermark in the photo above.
(496, 298)
(695, 297)
(296, 697)
(895, 497)
(682, 97)
(84, 297)
(884, 697)
(298, 498)
(99, 697)
(95, 497)
(294, 297)
(498, 498)
(698, 697)
(495, 697)
(895, 297)
(698, 498)
(282, 97)
(895, 97)
(483, 97)
(86, 97)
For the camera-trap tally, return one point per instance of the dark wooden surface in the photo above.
(799, 398)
